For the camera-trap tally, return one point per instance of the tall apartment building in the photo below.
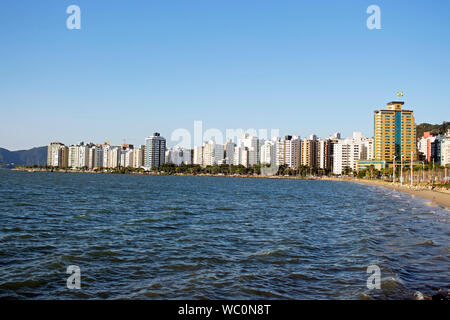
(198, 155)
(241, 156)
(137, 158)
(279, 151)
(98, 156)
(178, 156)
(445, 149)
(309, 151)
(213, 153)
(83, 155)
(251, 143)
(268, 152)
(347, 153)
(114, 157)
(324, 154)
(229, 151)
(395, 133)
(91, 151)
(292, 151)
(106, 149)
(155, 149)
(73, 161)
(430, 146)
(57, 155)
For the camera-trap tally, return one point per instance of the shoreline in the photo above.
(439, 197)
(436, 196)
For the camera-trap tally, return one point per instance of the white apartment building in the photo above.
(114, 157)
(346, 152)
(445, 150)
(268, 152)
(55, 154)
(229, 151)
(213, 153)
(73, 161)
(198, 155)
(241, 156)
(127, 158)
(279, 151)
(83, 156)
(98, 156)
(178, 156)
(252, 145)
(106, 150)
(91, 161)
(137, 158)
(292, 151)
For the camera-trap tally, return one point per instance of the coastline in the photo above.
(436, 196)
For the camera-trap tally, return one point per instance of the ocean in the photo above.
(174, 237)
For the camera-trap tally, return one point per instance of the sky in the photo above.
(138, 67)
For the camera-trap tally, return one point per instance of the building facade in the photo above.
(155, 149)
(395, 133)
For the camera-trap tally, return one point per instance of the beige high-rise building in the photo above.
(309, 151)
(395, 133)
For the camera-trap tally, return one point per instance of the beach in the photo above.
(437, 197)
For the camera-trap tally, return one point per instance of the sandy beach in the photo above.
(436, 197)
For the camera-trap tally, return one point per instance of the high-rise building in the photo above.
(268, 152)
(445, 149)
(198, 155)
(347, 153)
(292, 151)
(395, 133)
(252, 145)
(309, 151)
(57, 154)
(155, 149)
(106, 154)
(213, 153)
(83, 155)
(241, 156)
(430, 146)
(178, 156)
(98, 156)
(137, 158)
(73, 161)
(229, 151)
(114, 157)
(91, 162)
(279, 151)
(324, 154)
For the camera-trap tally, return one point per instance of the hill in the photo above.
(434, 128)
(32, 156)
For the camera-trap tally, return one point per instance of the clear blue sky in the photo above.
(137, 67)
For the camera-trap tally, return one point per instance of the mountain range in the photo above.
(23, 157)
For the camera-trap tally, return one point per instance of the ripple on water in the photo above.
(154, 237)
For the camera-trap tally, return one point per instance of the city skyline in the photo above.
(132, 69)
